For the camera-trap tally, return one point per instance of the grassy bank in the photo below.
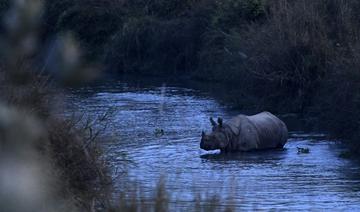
(48, 163)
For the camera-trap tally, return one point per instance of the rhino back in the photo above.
(235, 123)
(272, 132)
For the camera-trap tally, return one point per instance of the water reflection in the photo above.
(246, 157)
(279, 179)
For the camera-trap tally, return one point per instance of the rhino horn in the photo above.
(213, 123)
(220, 121)
(202, 134)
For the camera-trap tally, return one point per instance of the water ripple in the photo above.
(282, 179)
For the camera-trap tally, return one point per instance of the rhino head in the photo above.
(217, 139)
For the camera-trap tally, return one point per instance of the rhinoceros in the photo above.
(246, 133)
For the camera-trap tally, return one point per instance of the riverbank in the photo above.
(48, 162)
(279, 62)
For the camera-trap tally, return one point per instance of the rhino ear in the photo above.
(220, 121)
(213, 123)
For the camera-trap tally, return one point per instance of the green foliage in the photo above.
(233, 14)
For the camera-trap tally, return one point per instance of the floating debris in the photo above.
(302, 150)
(159, 132)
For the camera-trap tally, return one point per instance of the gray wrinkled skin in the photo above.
(246, 133)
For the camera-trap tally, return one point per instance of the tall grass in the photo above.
(55, 163)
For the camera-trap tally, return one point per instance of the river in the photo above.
(281, 179)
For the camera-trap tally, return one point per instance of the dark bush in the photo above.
(163, 9)
(151, 46)
(234, 14)
(337, 103)
(93, 22)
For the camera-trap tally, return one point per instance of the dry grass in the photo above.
(64, 152)
(133, 199)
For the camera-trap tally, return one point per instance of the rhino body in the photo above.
(246, 133)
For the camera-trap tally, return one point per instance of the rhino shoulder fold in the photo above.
(235, 123)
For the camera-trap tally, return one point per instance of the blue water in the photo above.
(282, 179)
